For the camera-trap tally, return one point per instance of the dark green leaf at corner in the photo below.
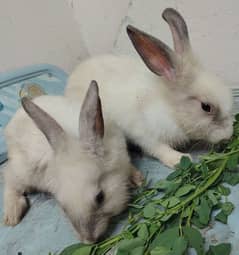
(220, 249)
(195, 239)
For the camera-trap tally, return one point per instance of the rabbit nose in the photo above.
(88, 238)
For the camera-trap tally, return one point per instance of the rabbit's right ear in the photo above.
(179, 30)
(48, 126)
(159, 58)
(91, 123)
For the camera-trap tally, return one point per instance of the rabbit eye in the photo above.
(100, 198)
(206, 107)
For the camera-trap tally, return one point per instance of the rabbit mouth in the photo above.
(220, 135)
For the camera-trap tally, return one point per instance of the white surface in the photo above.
(34, 31)
(63, 32)
(213, 26)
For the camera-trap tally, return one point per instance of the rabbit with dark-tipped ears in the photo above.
(82, 163)
(164, 106)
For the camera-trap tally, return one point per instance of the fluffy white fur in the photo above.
(74, 174)
(154, 112)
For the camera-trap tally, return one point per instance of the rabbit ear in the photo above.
(179, 30)
(156, 55)
(48, 126)
(91, 118)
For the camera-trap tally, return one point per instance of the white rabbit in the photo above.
(162, 108)
(87, 170)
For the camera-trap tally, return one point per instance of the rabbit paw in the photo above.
(15, 206)
(137, 178)
(169, 156)
(172, 160)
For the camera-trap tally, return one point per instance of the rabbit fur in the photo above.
(162, 107)
(85, 168)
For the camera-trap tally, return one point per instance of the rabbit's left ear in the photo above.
(53, 132)
(158, 57)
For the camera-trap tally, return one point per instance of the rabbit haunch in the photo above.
(84, 166)
(163, 107)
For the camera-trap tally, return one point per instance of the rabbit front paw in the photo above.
(15, 206)
(170, 157)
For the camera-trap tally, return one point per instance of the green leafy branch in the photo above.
(164, 218)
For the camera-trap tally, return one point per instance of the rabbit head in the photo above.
(200, 102)
(87, 190)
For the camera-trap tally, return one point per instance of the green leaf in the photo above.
(225, 191)
(227, 208)
(185, 163)
(121, 253)
(166, 238)
(212, 197)
(137, 251)
(170, 202)
(231, 178)
(204, 169)
(187, 212)
(195, 239)
(161, 250)
(232, 162)
(143, 232)
(153, 228)
(220, 249)
(162, 184)
(222, 217)
(203, 211)
(173, 201)
(184, 190)
(166, 217)
(129, 244)
(149, 211)
(83, 250)
(237, 117)
(168, 186)
(195, 221)
(180, 246)
(77, 249)
(174, 175)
